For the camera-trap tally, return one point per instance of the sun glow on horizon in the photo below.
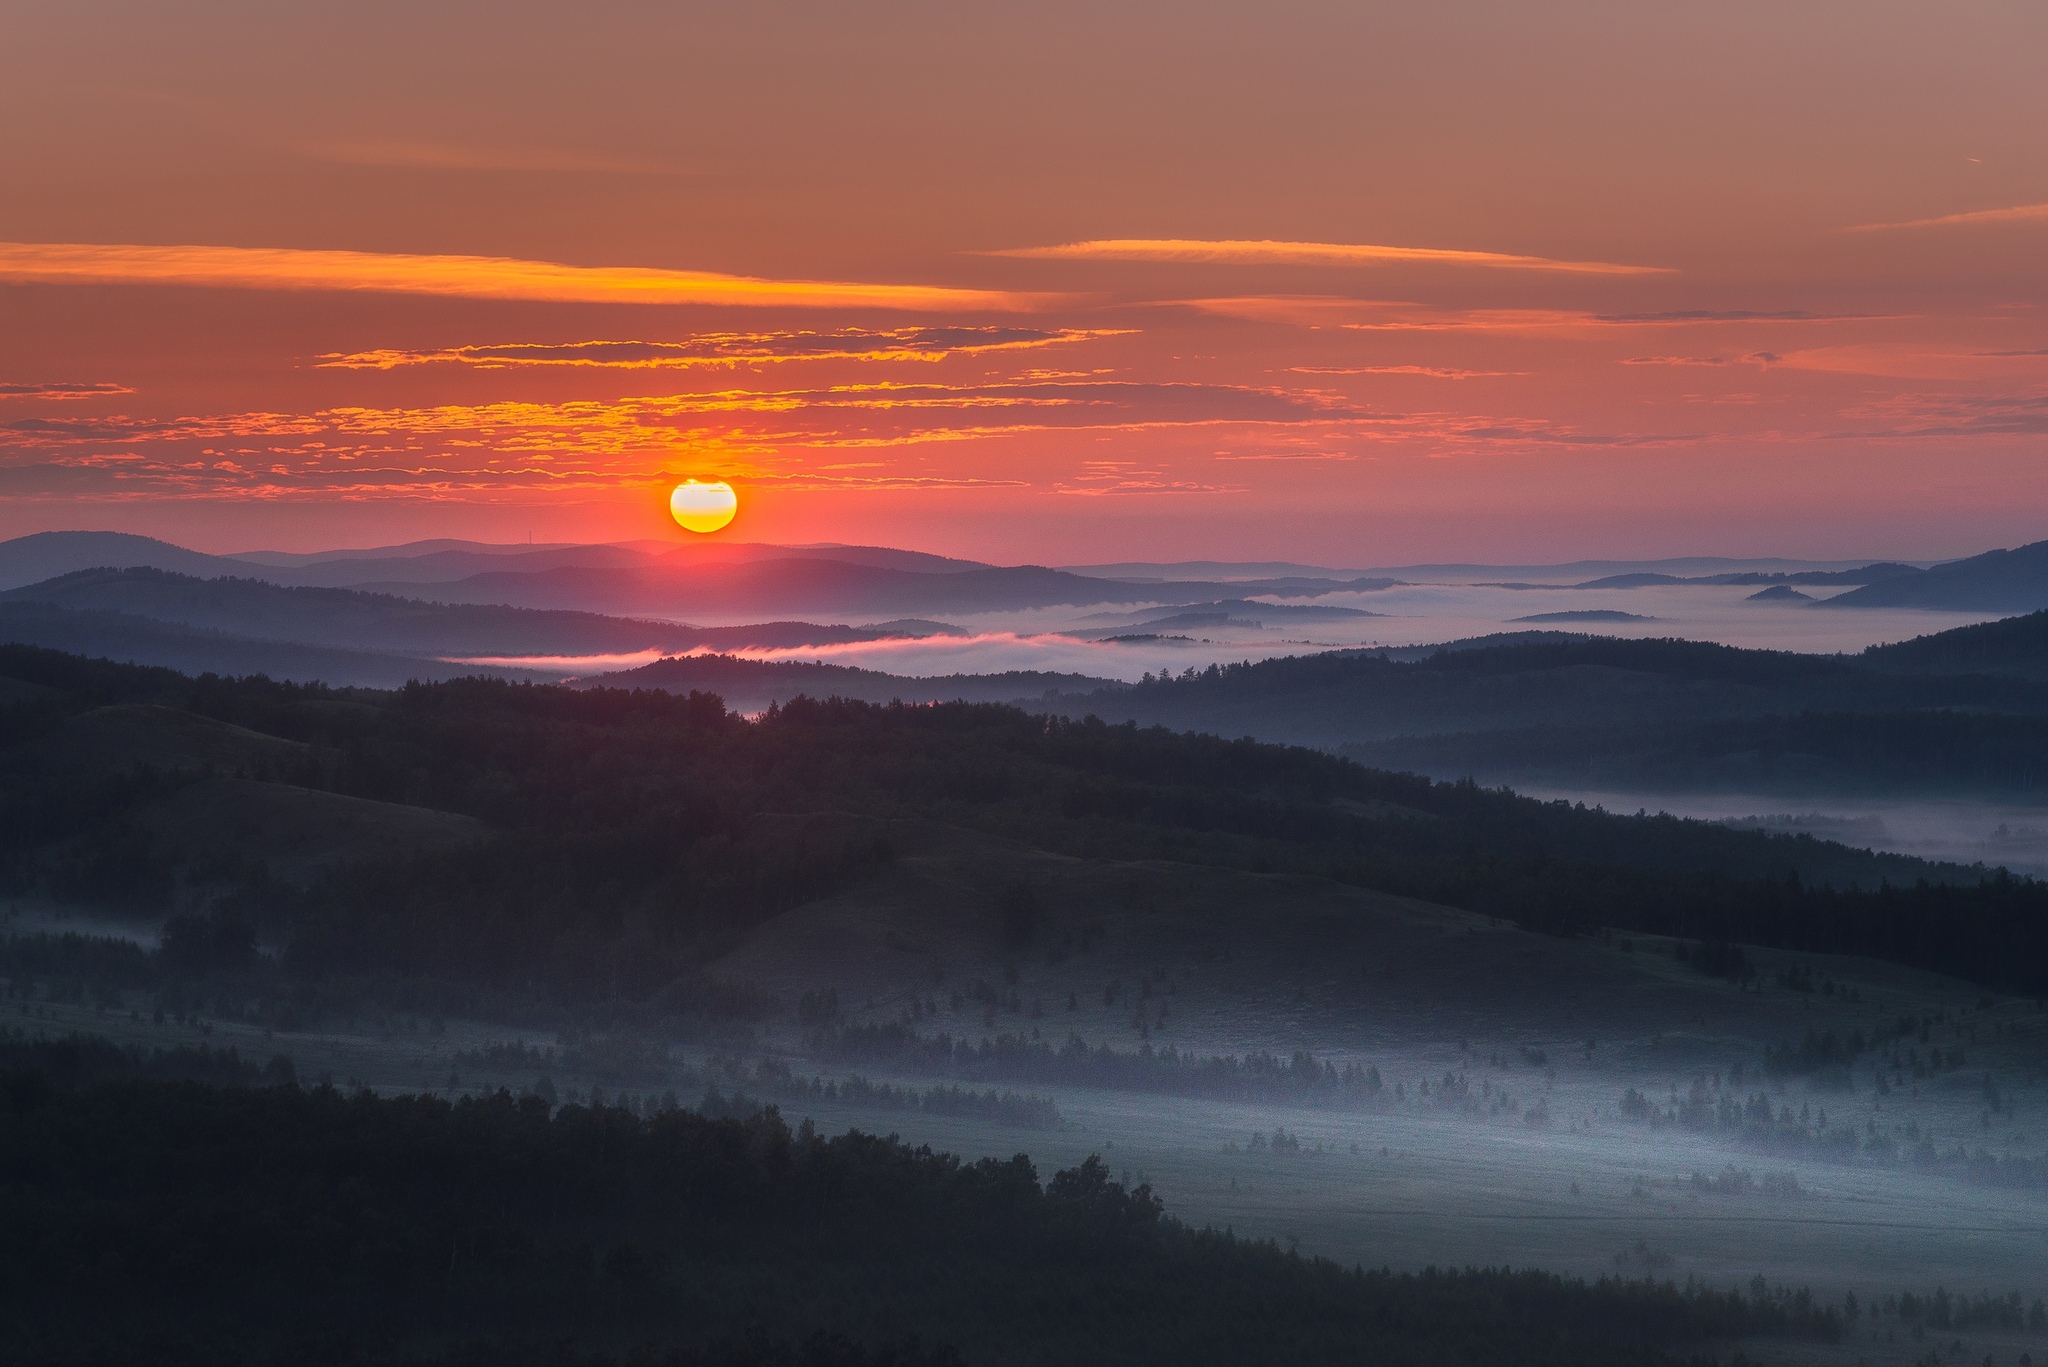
(703, 507)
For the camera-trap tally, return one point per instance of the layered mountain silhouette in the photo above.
(651, 580)
(355, 620)
(1997, 581)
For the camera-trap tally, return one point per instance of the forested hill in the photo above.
(1345, 696)
(625, 836)
(751, 685)
(2015, 646)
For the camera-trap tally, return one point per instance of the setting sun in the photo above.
(701, 507)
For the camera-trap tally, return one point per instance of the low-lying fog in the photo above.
(1419, 614)
(1958, 829)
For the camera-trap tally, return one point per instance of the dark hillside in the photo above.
(2016, 646)
(157, 1223)
(637, 833)
(1356, 696)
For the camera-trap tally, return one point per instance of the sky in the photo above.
(1338, 283)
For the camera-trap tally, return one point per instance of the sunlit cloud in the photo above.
(1306, 254)
(436, 156)
(61, 391)
(729, 348)
(2018, 213)
(469, 277)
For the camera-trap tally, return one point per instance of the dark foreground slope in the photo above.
(151, 1222)
(618, 841)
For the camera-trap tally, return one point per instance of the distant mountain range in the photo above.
(128, 638)
(732, 579)
(1962, 711)
(686, 582)
(355, 620)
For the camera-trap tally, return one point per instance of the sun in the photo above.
(703, 507)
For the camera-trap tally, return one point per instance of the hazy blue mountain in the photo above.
(1344, 696)
(130, 639)
(1997, 581)
(356, 620)
(44, 555)
(443, 564)
(819, 585)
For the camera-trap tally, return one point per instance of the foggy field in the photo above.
(1966, 832)
(1407, 615)
(1457, 1177)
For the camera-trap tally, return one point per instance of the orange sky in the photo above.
(1337, 282)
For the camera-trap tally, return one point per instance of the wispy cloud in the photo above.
(1433, 371)
(1753, 358)
(1283, 455)
(1684, 316)
(440, 156)
(61, 391)
(472, 277)
(1264, 252)
(2017, 213)
(729, 348)
(1391, 315)
(1949, 415)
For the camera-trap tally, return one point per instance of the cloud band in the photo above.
(1306, 254)
(468, 277)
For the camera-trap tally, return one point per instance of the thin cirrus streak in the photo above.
(1265, 252)
(1390, 315)
(436, 156)
(1763, 358)
(1433, 371)
(1913, 416)
(730, 348)
(62, 391)
(2017, 213)
(469, 277)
